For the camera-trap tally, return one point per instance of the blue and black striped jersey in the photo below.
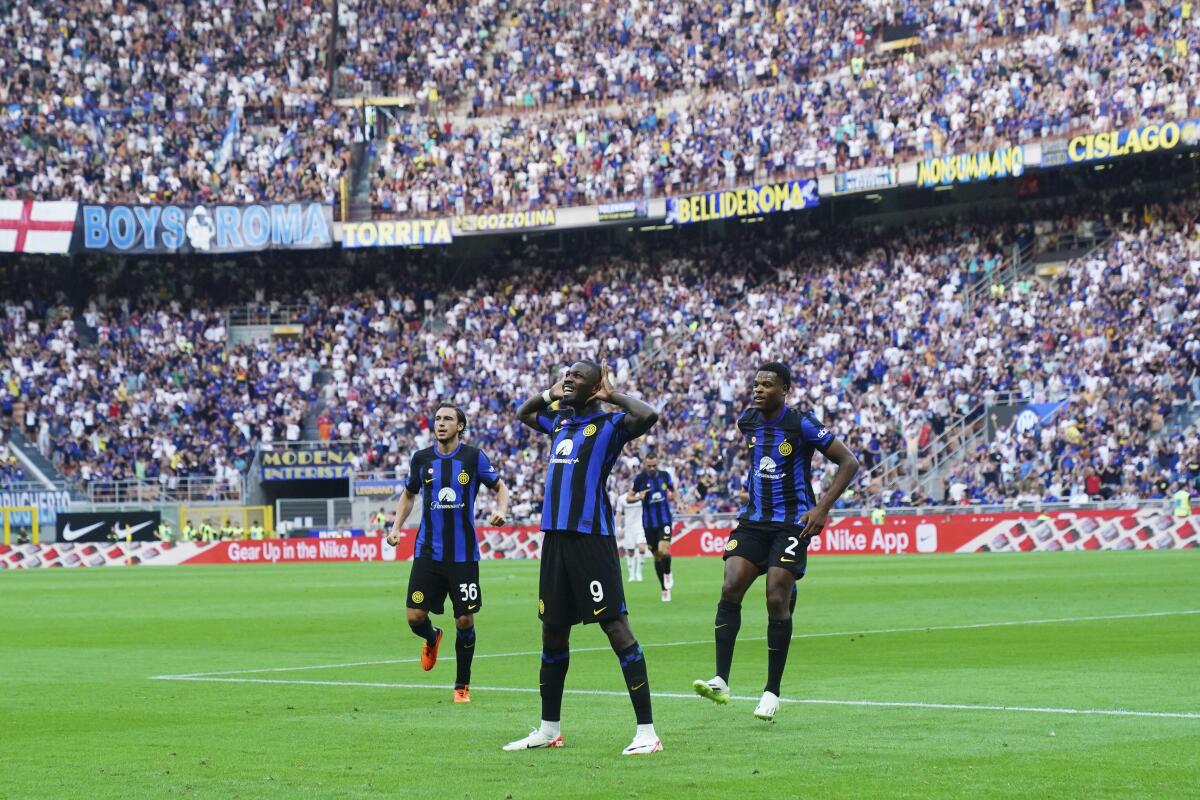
(656, 507)
(582, 455)
(779, 486)
(450, 484)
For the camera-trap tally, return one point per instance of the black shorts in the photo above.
(658, 533)
(580, 579)
(770, 544)
(431, 581)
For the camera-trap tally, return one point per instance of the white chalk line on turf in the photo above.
(819, 635)
(1110, 712)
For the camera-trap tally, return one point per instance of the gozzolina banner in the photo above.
(1013, 532)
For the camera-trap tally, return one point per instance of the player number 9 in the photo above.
(597, 591)
(470, 591)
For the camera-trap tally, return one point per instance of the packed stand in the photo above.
(426, 51)
(901, 362)
(1046, 82)
(150, 394)
(1131, 312)
(151, 102)
(886, 349)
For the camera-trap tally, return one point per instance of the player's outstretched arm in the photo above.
(407, 499)
(847, 466)
(529, 410)
(639, 415)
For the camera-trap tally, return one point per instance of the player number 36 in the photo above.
(470, 591)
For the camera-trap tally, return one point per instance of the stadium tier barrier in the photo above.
(67, 226)
(943, 531)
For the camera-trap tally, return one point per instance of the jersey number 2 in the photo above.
(791, 548)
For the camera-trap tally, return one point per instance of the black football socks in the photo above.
(426, 631)
(633, 665)
(666, 567)
(779, 637)
(553, 678)
(729, 621)
(658, 570)
(464, 650)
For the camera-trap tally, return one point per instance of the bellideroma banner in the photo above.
(749, 201)
(202, 229)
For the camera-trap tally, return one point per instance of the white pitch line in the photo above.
(876, 631)
(1111, 712)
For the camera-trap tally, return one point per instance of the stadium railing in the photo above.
(265, 315)
(188, 489)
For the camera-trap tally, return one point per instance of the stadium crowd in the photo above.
(895, 340)
(130, 102)
(152, 395)
(153, 102)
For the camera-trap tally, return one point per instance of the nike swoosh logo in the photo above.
(71, 535)
(467, 646)
(429, 480)
(722, 625)
(599, 612)
(136, 528)
(635, 688)
(472, 608)
(788, 560)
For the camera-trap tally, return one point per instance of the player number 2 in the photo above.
(597, 591)
(470, 591)
(791, 548)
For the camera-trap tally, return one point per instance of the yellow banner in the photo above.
(1004, 162)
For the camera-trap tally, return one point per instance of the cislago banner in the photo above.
(202, 229)
(1010, 532)
(1134, 141)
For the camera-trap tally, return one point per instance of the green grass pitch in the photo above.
(957, 677)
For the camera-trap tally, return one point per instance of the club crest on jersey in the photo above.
(464, 478)
(418, 597)
(541, 606)
(785, 449)
(590, 430)
(731, 545)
